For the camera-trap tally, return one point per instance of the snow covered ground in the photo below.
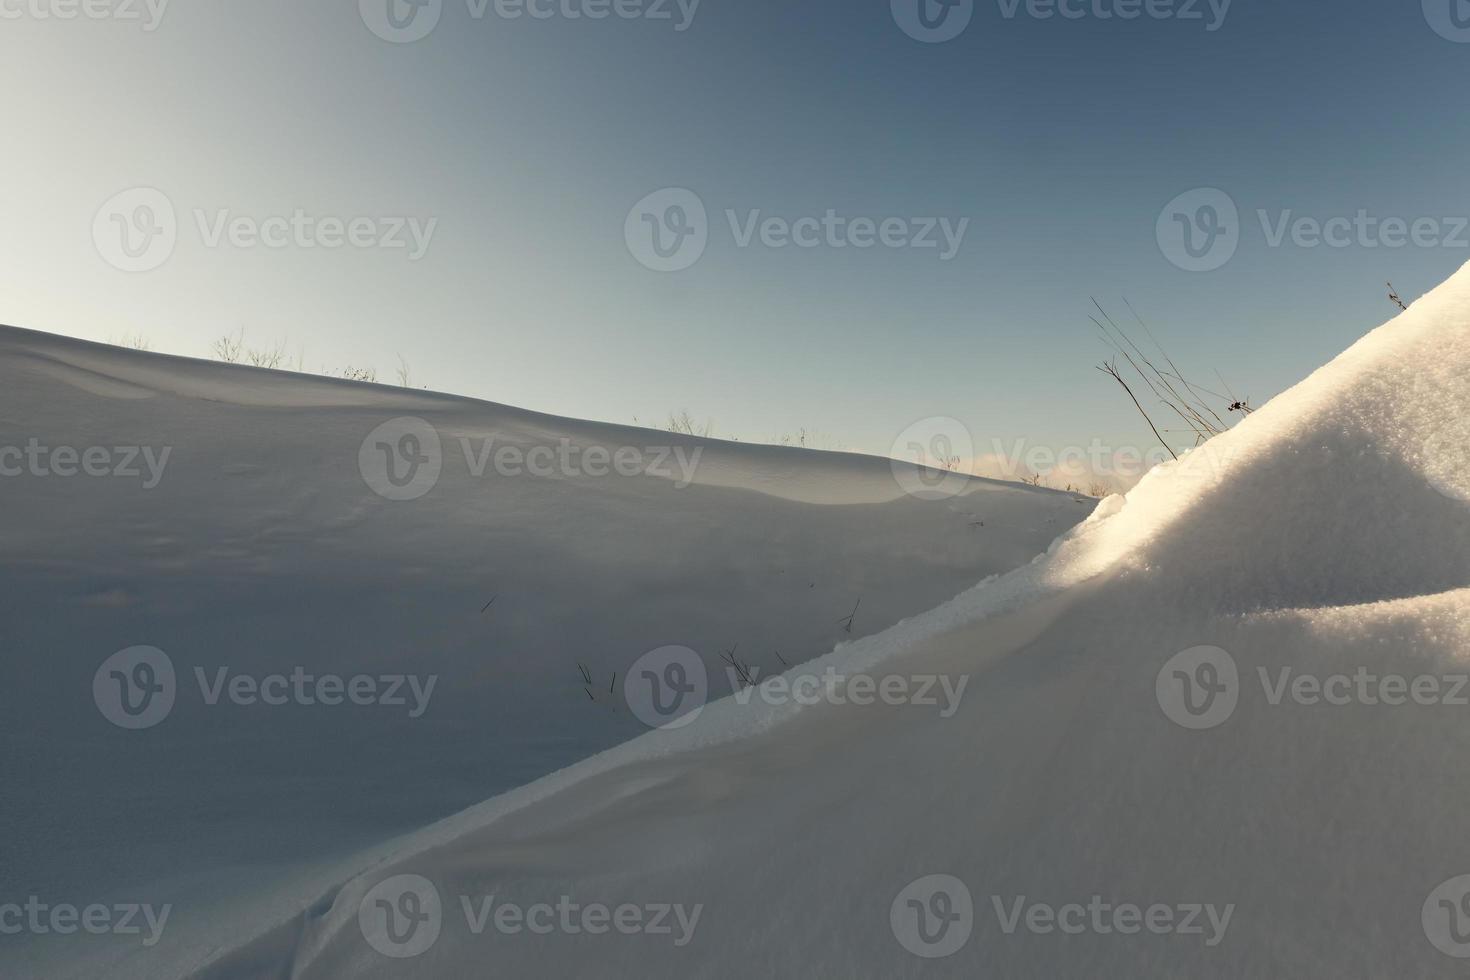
(1218, 730)
(246, 525)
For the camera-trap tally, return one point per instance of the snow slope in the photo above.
(1220, 730)
(263, 548)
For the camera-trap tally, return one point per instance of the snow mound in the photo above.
(1217, 731)
(260, 541)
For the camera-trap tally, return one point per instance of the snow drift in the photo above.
(228, 522)
(1218, 731)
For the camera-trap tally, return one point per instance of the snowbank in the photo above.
(1218, 731)
(229, 521)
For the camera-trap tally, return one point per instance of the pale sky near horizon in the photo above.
(1048, 154)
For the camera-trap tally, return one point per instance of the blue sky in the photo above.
(527, 141)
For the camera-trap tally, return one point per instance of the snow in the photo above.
(262, 550)
(1084, 811)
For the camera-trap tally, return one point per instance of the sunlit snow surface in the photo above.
(1230, 702)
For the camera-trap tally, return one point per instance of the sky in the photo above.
(476, 187)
